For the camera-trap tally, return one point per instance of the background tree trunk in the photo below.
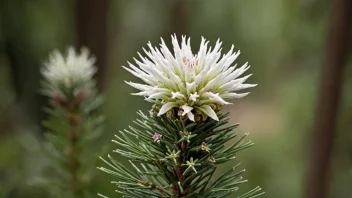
(328, 100)
(179, 17)
(91, 23)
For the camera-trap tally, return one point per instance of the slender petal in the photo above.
(166, 107)
(190, 115)
(177, 95)
(209, 112)
(186, 109)
(215, 98)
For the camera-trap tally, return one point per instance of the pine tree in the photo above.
(74, 124)
(175, 150)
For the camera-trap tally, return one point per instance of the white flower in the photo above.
(189, 81)
(71, 73)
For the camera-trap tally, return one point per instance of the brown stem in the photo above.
(178, 171)
(161, 191)
(73, 152)
(158, 188)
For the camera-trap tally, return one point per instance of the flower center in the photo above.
(193, 62)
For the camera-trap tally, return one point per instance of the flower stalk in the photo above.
(73, 152)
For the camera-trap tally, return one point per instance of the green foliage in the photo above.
(74, 129)
(181, 160)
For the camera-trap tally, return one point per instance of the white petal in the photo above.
(243, 86)
(237, 72)
(139, 86)
(186, 109)
(149, 100)
(142, 93)
(176, 79)
(190, 87)
(208, 111)
(231, 59)
(209, 86)
(166, 107)
(168, 55)
(233, 95)
(190, 116)
(159, 95)
(215, 98)
(177, 95)
(229, 86)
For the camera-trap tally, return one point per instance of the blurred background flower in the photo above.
(68, 75)
(288, 44)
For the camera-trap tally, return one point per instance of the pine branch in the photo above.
(181, 161)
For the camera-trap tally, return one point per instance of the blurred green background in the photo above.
(284, 41)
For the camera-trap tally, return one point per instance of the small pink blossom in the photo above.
(156, 137)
